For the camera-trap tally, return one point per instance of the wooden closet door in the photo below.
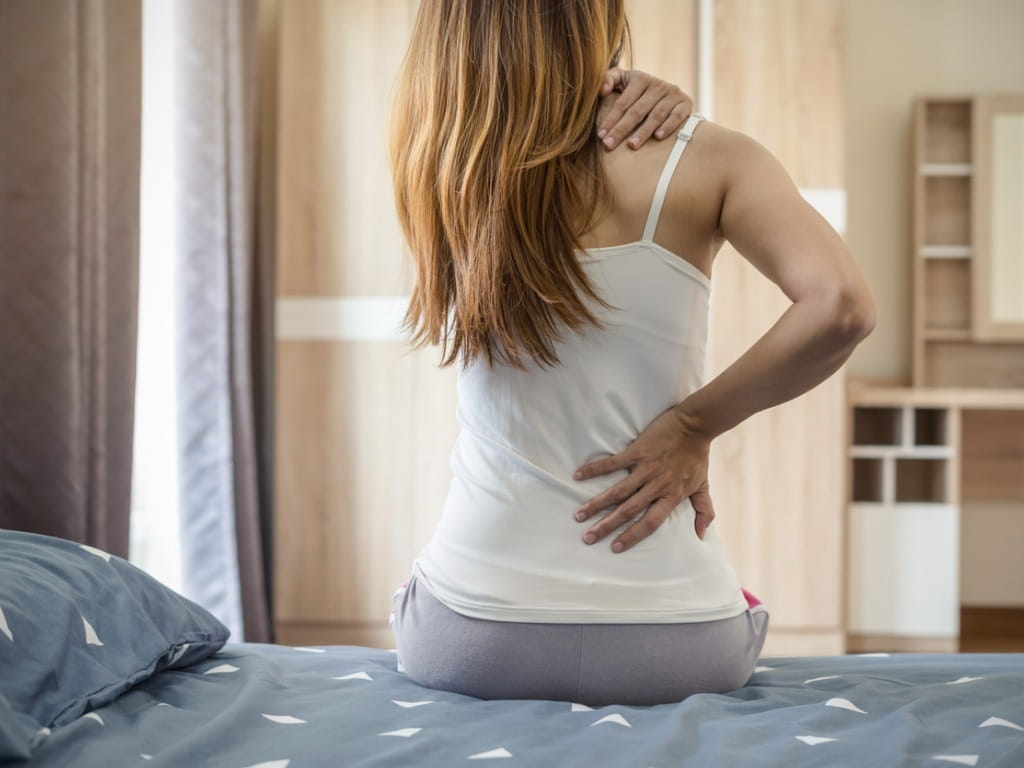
(365, 428)
(777, 480)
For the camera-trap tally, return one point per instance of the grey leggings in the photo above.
(592, 664)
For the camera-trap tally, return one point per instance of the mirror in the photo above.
(1006, 274)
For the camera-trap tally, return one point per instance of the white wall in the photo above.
(897, 50)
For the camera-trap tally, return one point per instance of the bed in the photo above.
(190, 698)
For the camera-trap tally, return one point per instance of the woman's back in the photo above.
(507, 547)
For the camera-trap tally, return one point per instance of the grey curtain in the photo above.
(70, 85)
(224, 337)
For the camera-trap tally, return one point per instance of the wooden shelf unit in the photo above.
(918, 457)
(903, 523)
(947, 350)
(951, 445)
(942, 235)
(901, 454)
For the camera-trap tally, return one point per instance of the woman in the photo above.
(572, 286)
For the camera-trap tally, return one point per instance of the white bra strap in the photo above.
(682, 140)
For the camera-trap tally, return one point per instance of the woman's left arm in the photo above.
(644, 106)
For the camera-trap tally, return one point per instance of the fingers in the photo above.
(662, 118)
(637, 115)
(673, 121)
(626, 114)
(604, 465)
(613, 78)
(647, 106)
(680, 107)
(625, 513)
(701, 501)
(651, 521)
(617, 494)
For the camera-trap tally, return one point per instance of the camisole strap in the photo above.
(682, 140)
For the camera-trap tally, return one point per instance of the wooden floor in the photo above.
(982, 630)
(991, 630)
(992, 645)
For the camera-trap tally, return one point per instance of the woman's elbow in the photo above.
(852, 312)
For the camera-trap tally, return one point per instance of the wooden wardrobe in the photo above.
(364, 426)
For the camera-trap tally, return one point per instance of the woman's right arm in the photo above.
(766, 219)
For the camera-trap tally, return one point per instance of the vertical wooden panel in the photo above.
(344, 483)
(777, 479)
(364, 432)
(664, 37)
(779, 77)
(364, 427)
(338, 232)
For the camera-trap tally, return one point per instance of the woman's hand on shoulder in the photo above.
(667, 463)
(639, 105)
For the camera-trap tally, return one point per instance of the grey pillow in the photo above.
(78, 627)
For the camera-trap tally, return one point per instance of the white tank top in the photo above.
(507, 546)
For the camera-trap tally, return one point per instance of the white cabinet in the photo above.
(903, 528)
(904, 571)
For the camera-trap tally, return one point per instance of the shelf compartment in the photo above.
(947, 294)
(920, 480)
(867, 480)
(877, 426)
(947, 132)
(931, 426)
(947, 210)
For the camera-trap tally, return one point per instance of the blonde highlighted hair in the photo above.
(497, 171)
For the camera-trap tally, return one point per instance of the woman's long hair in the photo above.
(497, 171)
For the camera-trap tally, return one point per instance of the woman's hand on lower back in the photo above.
(639, 105)
(667, 462)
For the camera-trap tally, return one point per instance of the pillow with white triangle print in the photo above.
(79, 627)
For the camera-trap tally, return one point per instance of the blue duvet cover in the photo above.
(270, 706)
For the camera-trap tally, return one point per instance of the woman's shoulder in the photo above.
(695, 191)
(709, 154)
